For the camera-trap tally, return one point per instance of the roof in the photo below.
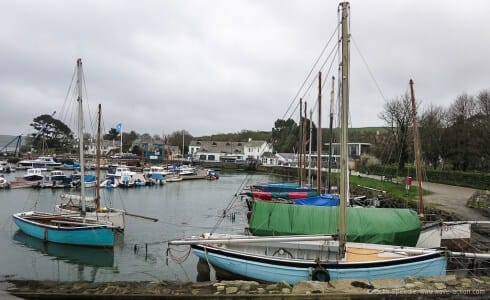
(291, 156)
(257, 143)
(218, 147)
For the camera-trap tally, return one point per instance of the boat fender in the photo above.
(320, 274)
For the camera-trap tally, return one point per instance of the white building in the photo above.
(212, 151)
(106, 147)
(256, 149)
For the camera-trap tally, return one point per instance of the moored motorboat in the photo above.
(34, 174)
(4, 183)
(174, 178)
(47, 162)
(6, 167)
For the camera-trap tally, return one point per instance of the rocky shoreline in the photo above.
(426, 287)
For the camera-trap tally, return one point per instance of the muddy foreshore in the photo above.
(419, 288)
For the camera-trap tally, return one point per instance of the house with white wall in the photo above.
(256, 149)
(106, 146)
(213, 151)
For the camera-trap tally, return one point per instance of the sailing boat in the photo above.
(74, 229)
(73, 205)
(318, 257)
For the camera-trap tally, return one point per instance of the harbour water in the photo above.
(183, 208)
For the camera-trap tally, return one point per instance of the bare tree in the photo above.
(463, 108)
(483, 103)
(181, 139)
(398, 116)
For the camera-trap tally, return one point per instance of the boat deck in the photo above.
(363, 255)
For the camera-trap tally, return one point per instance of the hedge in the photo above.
(474, 180)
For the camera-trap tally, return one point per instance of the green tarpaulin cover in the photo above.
(389, 226)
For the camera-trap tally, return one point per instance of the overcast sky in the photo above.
(224, 66)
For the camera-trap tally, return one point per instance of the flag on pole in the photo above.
(118, 128)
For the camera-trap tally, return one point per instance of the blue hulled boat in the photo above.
(293, 260)
(73, 229)
(65, 229)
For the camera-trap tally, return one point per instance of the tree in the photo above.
(179, 137)
(398, 116)
(137, 150)
(146, 137)
(431, 129)
(285, 136)
(51, 133)
(112, 135)
(128, 139)
(460, 137)
(483, 127)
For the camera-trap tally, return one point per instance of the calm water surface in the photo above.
(183, 208)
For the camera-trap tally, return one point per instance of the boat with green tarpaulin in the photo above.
(389, 226)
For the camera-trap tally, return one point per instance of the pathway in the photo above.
(449, 198)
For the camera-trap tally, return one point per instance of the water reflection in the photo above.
(86, 256)
(184, 209)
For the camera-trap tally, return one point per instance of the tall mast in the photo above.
(417, 150)
(80, 133)
(319, 138)
(300, 143)
(121, 132)
(97, 161)
(309, 151)
(303, 142)
(332, 96)
(344, 154)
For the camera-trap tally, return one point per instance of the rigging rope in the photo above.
(230, 204)
(326, 76)
(311, 71)
(368, 69)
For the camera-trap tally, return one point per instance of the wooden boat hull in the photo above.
(87, 235)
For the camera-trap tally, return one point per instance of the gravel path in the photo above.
(453, 199)
(449, 198)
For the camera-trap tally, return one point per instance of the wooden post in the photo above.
(417, 151)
